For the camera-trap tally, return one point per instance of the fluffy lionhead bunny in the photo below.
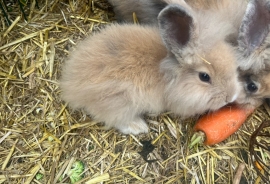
(250, 21)
(124, 71)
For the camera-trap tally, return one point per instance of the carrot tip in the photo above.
(197, 138)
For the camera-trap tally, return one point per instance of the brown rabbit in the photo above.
(250, 35)
(254, 53)
(125, 71)
(147, 10)
(256, 87)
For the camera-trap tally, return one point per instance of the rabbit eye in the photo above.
(204, 77)
(252, 87)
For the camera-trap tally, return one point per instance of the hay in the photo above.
(41, 139)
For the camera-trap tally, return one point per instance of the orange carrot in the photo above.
(218, 126)
(258, 165)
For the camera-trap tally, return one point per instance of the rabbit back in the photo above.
(115, 72)
(146, 11)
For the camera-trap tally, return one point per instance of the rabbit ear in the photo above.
(177, 27)
(255, 26)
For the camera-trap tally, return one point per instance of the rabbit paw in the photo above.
(135, 127)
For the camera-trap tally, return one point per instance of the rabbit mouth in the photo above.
(216, 103)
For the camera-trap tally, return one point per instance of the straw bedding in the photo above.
(42, 140)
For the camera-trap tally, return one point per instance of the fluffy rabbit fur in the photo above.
(147, 10)
(124, 10)
(254, 53)
(249, 34)
(124, 71)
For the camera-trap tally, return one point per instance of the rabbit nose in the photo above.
(232, 98)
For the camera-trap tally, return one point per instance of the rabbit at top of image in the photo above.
(147, 11)
(125, 71)
(249, 34)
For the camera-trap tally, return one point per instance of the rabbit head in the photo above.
(254, 53)
(201, 67)
(256, 87)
